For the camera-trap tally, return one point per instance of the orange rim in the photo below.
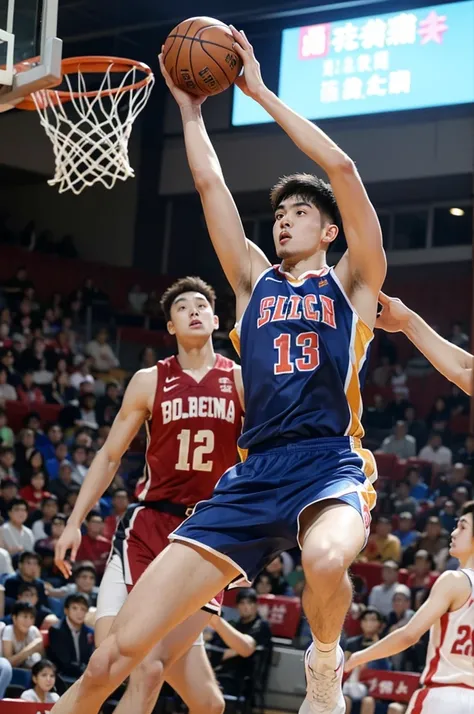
(93, 65)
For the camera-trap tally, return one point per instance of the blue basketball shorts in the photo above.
(254, 512)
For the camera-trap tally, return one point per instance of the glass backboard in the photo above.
(30, 52)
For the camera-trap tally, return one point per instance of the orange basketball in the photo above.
(200, 57)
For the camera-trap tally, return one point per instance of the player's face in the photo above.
(192, 317)
(462, 538)
(300, 230)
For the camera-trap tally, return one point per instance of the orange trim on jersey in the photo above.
(437, 655)
(419, 701)
(235, 339)
(362, 339)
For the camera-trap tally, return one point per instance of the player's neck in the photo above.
(467, 563)
(296, 268)
(196, 358)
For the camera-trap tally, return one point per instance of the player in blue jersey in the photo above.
(304, 331)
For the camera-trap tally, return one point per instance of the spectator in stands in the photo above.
(416, 427)
(401, 611)
(237, 661)
(455, 478)
(419, 489)
(147, 358)
(29, 569)
(82, 374)
(79, 469)
(7, 391)
(439, 416)
(6, 670)
(152, 306)
(434, 539)
(460, 496)
(15, 287)
(62, 485)
(7, 462)
(120, 503)
(382, 373)
(28, 392)
(398, 381)
(45, 548)
(103, 357)
(44, 617)
(61, 391)
(381, 596)
(53, 464)
(71, 499)
(423, 577)
(274, 570)
(8, 492)
(24, 448)
(437, 454)
(407, 533)
(43, 676)
(48, 442)
(402, 500)
(14, 535)
(447, 516)
(458, 337)
(382, 545)
(94, 546)
(458, 402)
(71, 643)
(33, 357)
(466, 455)
(108, 406)
(7, 437)
(6, 567)
(399, 443)
(137, 299)
(35, 491)
(49, 509)
(398, 407)
(22, 641)
(377, 415)
(7, 361)
(84, 579)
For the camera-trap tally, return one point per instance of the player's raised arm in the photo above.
(100, 475)
(241, 265)
(361, 226)
(444, 593)
(454, 363)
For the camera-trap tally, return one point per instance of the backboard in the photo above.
(30, 52)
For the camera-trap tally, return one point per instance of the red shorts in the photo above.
(141, 536)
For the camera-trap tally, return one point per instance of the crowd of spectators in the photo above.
(46, 622)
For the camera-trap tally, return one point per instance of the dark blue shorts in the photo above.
(254, 512)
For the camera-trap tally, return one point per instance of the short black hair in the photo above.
(372, 611)
(190, 284)
(26, 588)
(76, 599)
(84, 567)
(59, 517)
(467, 509)
(6, 449)
(29, 555)
(94, 514)
(120, 490)
(309, 188)
(17, 502)
(20, 607)
(246, 594)
(42, 664)
(51, 498)
(8, 483)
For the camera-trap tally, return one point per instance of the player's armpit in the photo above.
(366, 255)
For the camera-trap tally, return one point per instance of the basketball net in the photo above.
(90, 130)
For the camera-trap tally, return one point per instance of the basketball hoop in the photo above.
(90, 128)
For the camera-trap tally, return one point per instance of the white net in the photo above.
(90, 134)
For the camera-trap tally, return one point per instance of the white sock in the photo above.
(325, 652)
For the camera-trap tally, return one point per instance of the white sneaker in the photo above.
(323, 687)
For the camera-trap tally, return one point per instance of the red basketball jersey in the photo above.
(192, 433)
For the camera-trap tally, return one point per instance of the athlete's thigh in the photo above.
(192, 677)
(329, 525)
(439, 701)
(102, 629)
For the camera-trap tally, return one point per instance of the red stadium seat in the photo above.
(385, 464)
(17, 706)
(45, 636)
(17, 411)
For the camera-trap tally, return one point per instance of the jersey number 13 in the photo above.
(309, 360)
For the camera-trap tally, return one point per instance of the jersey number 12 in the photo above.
(309, 360)
(205, 437)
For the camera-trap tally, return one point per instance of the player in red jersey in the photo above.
(191, 405)
(448, 679)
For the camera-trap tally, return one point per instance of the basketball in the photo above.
(199, 56)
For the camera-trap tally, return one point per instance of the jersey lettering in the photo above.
(198, 407)
(464, 645)
(283, 308)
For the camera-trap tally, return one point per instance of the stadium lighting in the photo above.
(456, 211)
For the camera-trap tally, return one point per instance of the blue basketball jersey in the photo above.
(303, 351)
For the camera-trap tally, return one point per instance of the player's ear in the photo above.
(170, 327)
(216, 322)
(330, 233)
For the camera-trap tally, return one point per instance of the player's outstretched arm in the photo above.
(442, 596)
(128, 421)
(241, 265)
(454, 363)
(361, 225)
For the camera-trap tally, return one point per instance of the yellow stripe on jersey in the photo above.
(363, 336)
(235, 339)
